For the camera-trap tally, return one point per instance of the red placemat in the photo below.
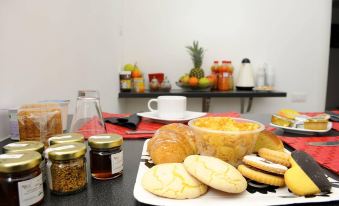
(148, 124)
(327, 156)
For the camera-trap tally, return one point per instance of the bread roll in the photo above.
(171, 144)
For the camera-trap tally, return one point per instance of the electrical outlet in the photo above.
(298, 97)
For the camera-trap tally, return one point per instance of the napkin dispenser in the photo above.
(245, 79)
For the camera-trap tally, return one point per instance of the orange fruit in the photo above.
(193, 81)
(136, 73)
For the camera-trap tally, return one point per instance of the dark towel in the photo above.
(130, 122)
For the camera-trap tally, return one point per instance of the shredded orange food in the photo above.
(224, 124)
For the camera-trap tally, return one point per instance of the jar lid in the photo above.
(66, 151)
(66, 138)
(24, 146)
(105, 141)
(19, 161)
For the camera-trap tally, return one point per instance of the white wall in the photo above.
(293, 36)
(50, 49)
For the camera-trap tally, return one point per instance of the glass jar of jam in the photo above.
(106, 156)
(29, 146)
(21, 178)
(66, 168)
(125, 81)
(66, 138)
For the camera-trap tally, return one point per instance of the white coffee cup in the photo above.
(169, 107)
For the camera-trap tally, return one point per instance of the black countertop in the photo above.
(119, 191)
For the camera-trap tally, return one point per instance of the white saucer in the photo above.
(302, 130)
(188, 116)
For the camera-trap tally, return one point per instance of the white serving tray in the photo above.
(302, 130)
(252, 196)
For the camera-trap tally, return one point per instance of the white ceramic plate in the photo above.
(188, 116)
(302, 130)
(254, 195)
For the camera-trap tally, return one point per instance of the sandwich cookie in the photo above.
(275, 156)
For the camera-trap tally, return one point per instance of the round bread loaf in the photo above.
(171, 180)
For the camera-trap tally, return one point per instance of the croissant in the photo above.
(172, 143)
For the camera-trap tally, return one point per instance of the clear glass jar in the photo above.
(28, 146)
(106, 156)
(66, 168)
(21, 178)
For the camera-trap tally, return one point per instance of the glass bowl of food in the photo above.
(229, 139)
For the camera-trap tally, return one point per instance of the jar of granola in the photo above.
(21, 179)
(106, 156)
(66, 168)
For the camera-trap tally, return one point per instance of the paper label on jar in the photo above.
(30, 191)
(11, 156)
(117, 162)
(17, 145)
(61, 137)
(100, 137)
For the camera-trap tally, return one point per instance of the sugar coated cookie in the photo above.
(275, 156)
(263, 164)
(171, 180)
(306, 177)
(261, 176)
(215, 173)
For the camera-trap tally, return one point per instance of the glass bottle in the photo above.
(214, 74)
(87, 118)
(21, 178)
(106, 156)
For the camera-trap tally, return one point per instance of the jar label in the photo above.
(17, 145)
(11, 156)
(125, 84)
(117, 162)
(100, 137)
(61, 137)
(30, 191)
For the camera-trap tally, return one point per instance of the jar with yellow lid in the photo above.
(66, 138)
(28, 146)
(66, 168)
(106, 156)
(21, 178)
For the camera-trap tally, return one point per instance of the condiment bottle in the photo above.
(21, 178)
(66, 168)
(106, 156)
(24, 146)
(230, 70)
(223, 77)
(214, 74)
(66, 138)
(125, 81)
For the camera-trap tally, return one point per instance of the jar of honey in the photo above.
(21, 178)
(106, 156)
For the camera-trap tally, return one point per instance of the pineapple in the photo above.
(197, 54)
